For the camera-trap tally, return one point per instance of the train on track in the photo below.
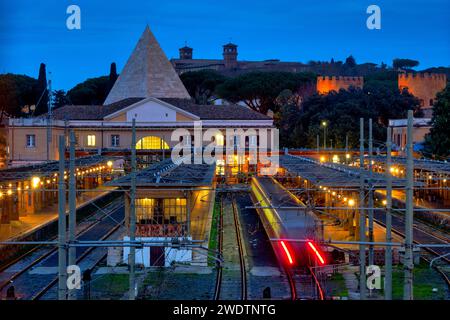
(283, 224)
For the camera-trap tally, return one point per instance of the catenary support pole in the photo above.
(346, 148)
(62, 245)
(388, 252)
(409, 263)
(362, 216)
(132, 255)
(318, 144)
(72, 207)
(370, 193)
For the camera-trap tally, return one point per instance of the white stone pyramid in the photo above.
(147, 73)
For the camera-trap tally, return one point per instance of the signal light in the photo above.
(311, 245)
(288, 254)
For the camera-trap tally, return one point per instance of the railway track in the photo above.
(242, 267)
(47, 288)
(104, 226)
(433, 252)
(241, 251)
(219, 254)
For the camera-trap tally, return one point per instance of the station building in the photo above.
(148, 90)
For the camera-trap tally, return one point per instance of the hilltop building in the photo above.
(425, 86)
(326, 84)
(230, 65)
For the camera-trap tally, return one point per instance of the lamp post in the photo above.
(324, 125)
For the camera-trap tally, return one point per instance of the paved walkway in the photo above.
(32, 222)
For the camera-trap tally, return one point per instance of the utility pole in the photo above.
(72, 207)
(132, 255)
(49, 118)
(388, 251)
(370, 194)
(318, 144)
(62, 248)
(409, 263)
(346, 148)
(362, 216)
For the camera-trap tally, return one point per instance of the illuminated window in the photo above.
(91, 140)
(152, 143)
(219, 140)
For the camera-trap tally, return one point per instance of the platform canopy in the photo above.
(441, 167)
(334, 175)
(46, 168)
(168, 174)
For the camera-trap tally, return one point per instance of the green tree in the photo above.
(59, 98)
(42, 103)
(202, 85)
(404, 63)
(260, 90)
(350, 61)
(342, 111)
(93, 91)
(16, 92)
(437, 142)
(112, 75)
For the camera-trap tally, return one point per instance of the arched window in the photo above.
(151, 143)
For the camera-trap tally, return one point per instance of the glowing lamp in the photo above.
(35, 181)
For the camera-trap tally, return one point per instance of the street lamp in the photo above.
(324, 125)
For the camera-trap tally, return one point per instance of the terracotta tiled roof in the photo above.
(91, 112)
(204, 112)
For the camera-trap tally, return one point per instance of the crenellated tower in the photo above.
(325, 84)
(424, 86)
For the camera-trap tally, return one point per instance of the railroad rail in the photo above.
(242, 266)
(104, 227)
(219, 253)
(241, 251)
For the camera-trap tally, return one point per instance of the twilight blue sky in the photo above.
(293, 30)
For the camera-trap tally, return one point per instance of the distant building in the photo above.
(230, 65)
(326, 84)
(425, 86)
(421, 127)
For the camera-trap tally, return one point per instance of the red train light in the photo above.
(319, 256)
(286, 251)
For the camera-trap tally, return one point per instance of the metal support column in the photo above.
(318, 144)
(132, 255)
(346, 148)
(388, 251)
(72, 206)
(370, 194)
(409, 263)
(362, 216)
(62, 248)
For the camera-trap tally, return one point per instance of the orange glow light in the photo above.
(316, 252)
(288, 254)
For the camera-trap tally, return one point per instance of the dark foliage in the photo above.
(437, 142)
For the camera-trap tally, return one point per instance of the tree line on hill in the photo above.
(290, 98)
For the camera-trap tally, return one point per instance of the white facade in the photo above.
(171, 255)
